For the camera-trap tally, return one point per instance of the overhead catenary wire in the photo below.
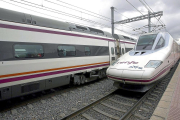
(127, 26)
(152, 10)
(79, 8)
(64, 6)
(82, 9)
(136, 8)
(101, 17)
(59, 13)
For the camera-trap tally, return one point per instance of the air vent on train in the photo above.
(142, 53)
(136, 53)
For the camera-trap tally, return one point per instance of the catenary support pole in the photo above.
(112, 20)
(149, 22)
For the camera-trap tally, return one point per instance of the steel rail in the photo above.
(129, 113)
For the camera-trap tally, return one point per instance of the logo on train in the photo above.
(128, 62)
(136, 67)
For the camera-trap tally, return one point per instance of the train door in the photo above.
(123, 49)
(112, 56)
(117, 46)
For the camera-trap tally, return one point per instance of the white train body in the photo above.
(38, 54)
(151, 59)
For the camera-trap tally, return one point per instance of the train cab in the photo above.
(151, 59)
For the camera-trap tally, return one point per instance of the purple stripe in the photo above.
(144, 80)
(53, 32)
(47, 74)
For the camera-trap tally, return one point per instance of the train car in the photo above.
(38, 53)
(151, 59)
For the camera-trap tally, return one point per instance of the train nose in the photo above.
(114, 72)
(137, 74)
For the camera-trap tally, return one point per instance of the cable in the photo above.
(120, 13)
(51, 15)
(134, 6)
(107, 19)
(63, 13)
(81, 8)
(60, 11)
(153, 12)
(128, 18)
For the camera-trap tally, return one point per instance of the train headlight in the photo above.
(153, 64)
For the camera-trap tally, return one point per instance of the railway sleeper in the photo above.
(148, 103)
(140, 116)
(114, 108)
(118, 102)
(106, 114)
(87, 116)
(144, 109)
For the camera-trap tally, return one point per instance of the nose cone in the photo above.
(114, 72)
(137, 74)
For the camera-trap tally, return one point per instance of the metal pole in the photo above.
(112, 20)
(149, 22)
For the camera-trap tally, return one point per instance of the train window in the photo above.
(28, 51)
(64, 51)
(160, 43)
(87, 51)
(146, 42)
(112, 50)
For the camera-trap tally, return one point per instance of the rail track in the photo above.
(97, 100)
(123, 105)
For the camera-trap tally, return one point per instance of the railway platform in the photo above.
(168, 107)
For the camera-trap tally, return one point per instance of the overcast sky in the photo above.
(97, 13)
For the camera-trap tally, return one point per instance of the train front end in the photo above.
(143, 66)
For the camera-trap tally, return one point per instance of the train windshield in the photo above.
(146, 42)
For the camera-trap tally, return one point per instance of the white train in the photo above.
(151, 59)
(39, 53)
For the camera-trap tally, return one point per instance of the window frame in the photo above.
(158, 42)
(112, 51)
(88, 51)
(14, 51)
(66, 51)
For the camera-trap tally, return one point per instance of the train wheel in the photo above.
(104, 73)
(100, 73)
(82, 79)
(78, 82)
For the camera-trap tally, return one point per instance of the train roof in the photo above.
(18, 17)
(123, 37)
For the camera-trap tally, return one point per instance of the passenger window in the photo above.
(64, 51)
(28, 51)
(160, 43)
(112, 50)
(87, 51)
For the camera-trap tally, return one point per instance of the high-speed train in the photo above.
(38, 53)
(152, 58)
